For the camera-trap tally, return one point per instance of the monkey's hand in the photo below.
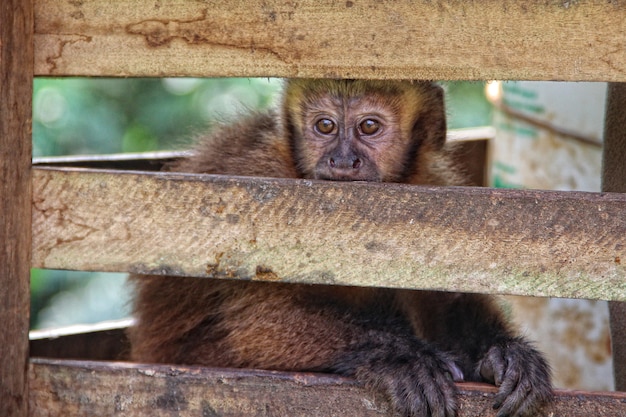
(521, 374)
(418, 379)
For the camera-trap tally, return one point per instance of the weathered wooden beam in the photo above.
(496, 39)
(614, 152)
(614, 180)
(73, 388)
(542, 243)
(16, 73)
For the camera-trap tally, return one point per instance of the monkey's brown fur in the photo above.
(406, 343)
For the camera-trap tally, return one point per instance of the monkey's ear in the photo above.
(290, 128)
(290, 107)
(430, 126)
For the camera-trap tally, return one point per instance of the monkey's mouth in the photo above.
(347, 177)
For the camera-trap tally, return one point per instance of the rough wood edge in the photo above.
(103, 388)
(16, 73)
(530, 40)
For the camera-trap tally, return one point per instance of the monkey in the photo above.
(411, 345)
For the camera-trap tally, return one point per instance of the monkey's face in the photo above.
(357, 130)
(348, 138)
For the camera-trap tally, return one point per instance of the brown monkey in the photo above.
(409, 344)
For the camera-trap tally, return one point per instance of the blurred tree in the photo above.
(86, 116)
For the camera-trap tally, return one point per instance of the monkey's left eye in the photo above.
(369, 126)
(325, 126)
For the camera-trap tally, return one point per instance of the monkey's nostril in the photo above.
(331, 162)
(356, 164)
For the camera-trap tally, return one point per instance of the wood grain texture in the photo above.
(71, 388)
(561, 244)
(16, 73)
(450, 39)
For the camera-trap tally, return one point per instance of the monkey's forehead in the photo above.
(373, 104)
(308, 93)
(357, 87)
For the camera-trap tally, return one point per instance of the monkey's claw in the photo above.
(522, 376)
(420, 383)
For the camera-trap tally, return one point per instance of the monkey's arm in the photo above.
(292, 327)
(472, 327)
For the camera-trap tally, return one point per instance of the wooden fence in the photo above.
(537, 243)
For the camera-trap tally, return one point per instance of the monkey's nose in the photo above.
(345, 163)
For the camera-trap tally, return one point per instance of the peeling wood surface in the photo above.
(562, 244)
(495, 39)
(73, 388)
(16, 80)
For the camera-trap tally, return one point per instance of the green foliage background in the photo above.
(73, 116)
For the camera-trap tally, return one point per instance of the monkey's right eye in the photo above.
(325, 126)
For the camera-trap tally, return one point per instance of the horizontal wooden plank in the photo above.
(72, 388)
(561, 244)
(496, 39)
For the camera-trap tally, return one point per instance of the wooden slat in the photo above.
(496, 39)
(16, 72)
(100, 389)
(561, 244)
(614, 155)
(614, 180)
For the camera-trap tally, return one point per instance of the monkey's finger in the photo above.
(455, 372)
(493, 366)
(509, 387)
(520, 402)
(510, 376)
(408, 398)
(509, 394)
(435, 373)
(446, 399)
(526, 383)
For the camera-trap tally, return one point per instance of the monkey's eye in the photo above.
(369, 126)
(325, 126)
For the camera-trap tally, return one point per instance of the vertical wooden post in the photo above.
(16, 80)
(614, 180)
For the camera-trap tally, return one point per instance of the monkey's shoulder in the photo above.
(253, 145)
